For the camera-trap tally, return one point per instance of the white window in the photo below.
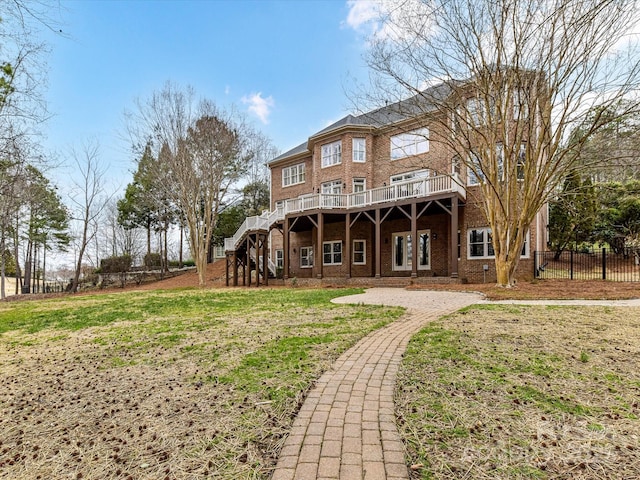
(410, 143)
(359, 185)
(359, 150)
(520, 104)
(279, 258)
(359, 252)
(306, 257)
(500, 160)
(522, 157)
(293, 175)
(480, 243)
(403, 250)
(331, 154)
(333, 187)
(476, 111)
(410, 175)
(472, 177)
(456, 166)
(332, 253)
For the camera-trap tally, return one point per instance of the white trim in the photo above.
(407, 256)
(408, 144)
(299, 174)
(362, 153)
(363, 251)
(331, 154)
(333, 252)
(308, 255)
(487, 246)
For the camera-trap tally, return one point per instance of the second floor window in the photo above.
(359, 150)
(333, 187)
(293, 175)
(331, 154)
(410, 143)
(359, 185)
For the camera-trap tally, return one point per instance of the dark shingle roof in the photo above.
(390, 114)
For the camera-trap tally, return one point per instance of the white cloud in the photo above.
(387, 19)
(259, 106)
(362, 12)
(227, 90)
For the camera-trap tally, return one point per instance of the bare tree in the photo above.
(89, 199)
(502, 83)
(201, 153)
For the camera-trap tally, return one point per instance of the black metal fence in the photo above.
(601, 264)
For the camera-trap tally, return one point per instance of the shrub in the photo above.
(153, 260)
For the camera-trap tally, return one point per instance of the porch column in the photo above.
(378, 244)
(265, 258)
(414, 241)
(285, 247)
(320, 238)
(235, 268)
(248, 262)
(347, 243)
(454, 237)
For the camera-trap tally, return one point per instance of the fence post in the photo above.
(535, 264)
(604, 263)
(571, 265)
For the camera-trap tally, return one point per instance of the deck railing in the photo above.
(423, 187)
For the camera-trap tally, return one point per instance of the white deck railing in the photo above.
(423, 187)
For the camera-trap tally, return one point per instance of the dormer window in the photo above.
(331, 154)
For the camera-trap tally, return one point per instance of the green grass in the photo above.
(241, 359)
(502, 391)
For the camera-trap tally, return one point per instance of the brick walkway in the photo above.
(346, 428)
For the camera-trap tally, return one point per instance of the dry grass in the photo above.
(506, 392)
(203, 384)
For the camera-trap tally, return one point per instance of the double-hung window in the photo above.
(331, 154)
(359, 252)
(279, 258)
(293, 175)
(332, 253)
(410, 143)
(480, 243)
(522, 157)
(474, 177)
(520, 105)
(359, 150)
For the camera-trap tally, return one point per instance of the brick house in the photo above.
(374, 198)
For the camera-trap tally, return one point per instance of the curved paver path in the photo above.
(346, 427)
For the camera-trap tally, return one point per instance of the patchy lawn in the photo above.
(506, 392)
(181, 384)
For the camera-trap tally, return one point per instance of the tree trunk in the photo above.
(2, 267)
(15, 255)
(181, 264)
(505, 270)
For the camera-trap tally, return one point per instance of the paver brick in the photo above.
(346, 427)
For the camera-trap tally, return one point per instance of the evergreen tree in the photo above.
(572, 214)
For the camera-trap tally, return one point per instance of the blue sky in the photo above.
(287, 64)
